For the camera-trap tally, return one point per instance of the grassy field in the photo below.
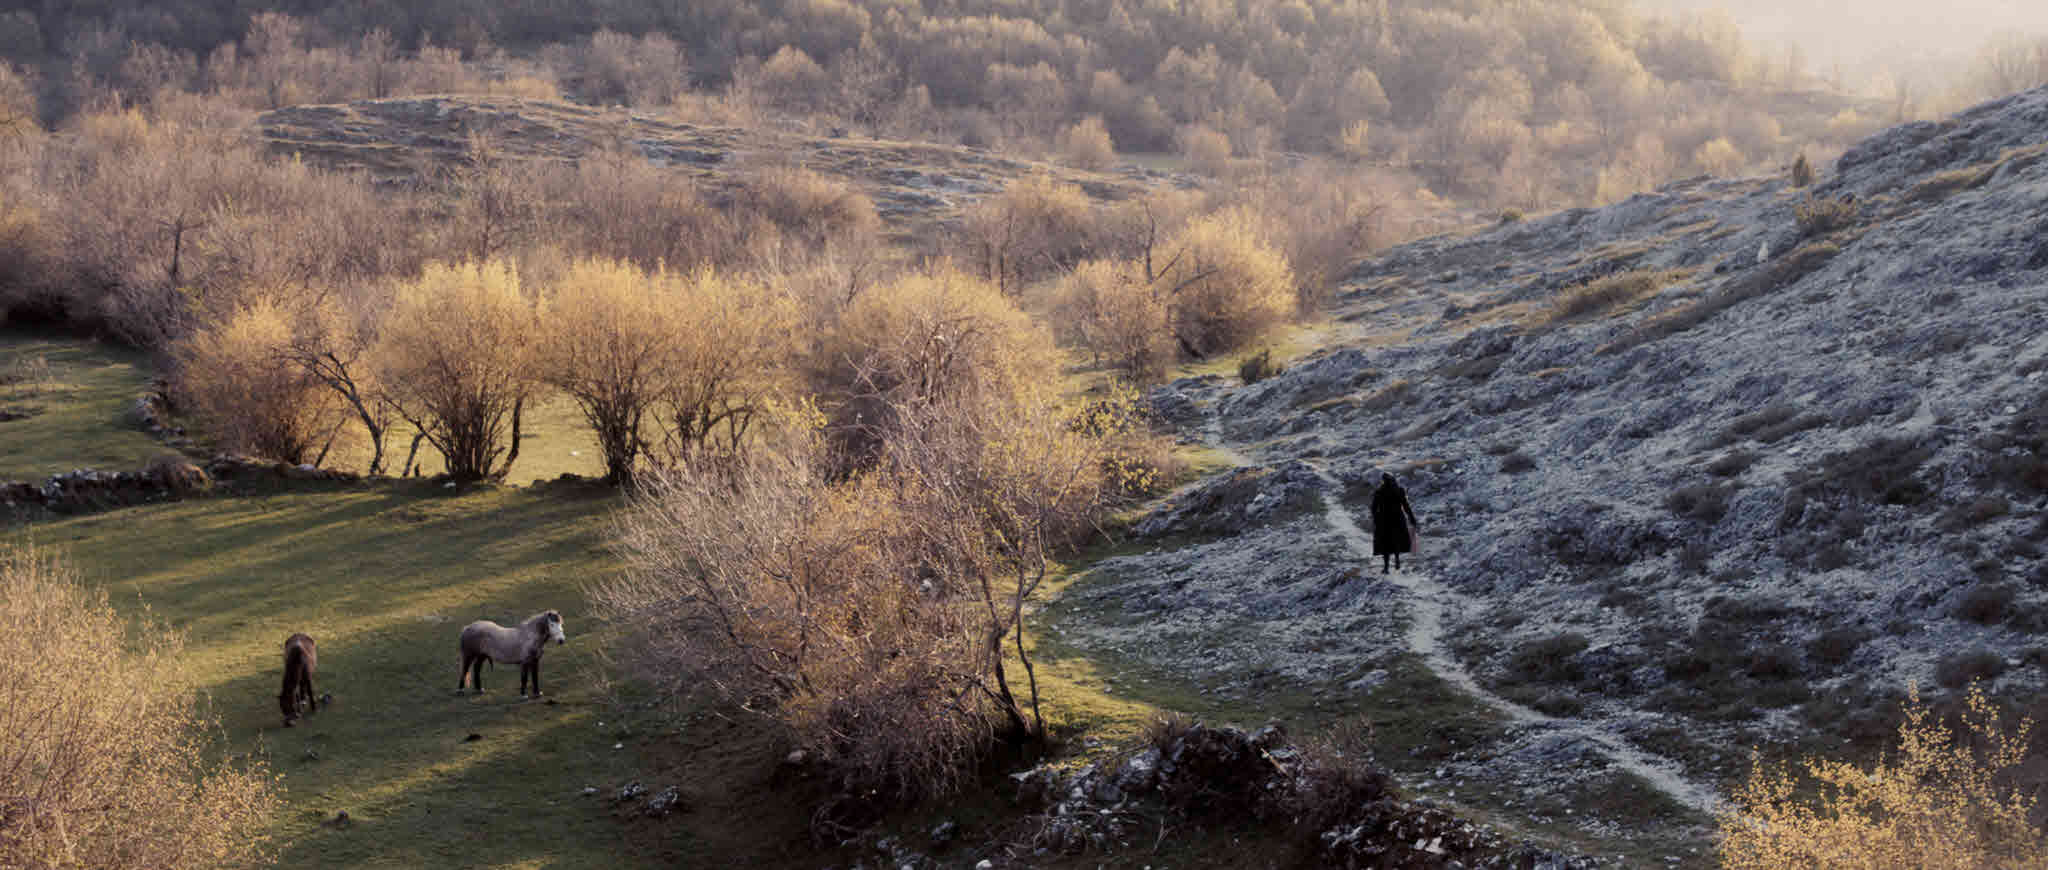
(384, 574)
(553, 440)
(73, 398)
(384, 577)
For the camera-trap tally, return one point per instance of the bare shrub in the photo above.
(875, 620)
(1206, 150)
(455, 356)
(665, 365)
(619, 206)
(1701, 502)
(610, 341)
(811, 209)
(105, 757)
(1820, 215)
(1605, 294)
(922, 338)
(1109, 308)
(1324, 218)
(332, 345)
(496, 204)
(1959, 669)
(1229, 284)
(1944, 800)
(1986, 603)
(1258, 367)
(1035, 228)
(646, 71)
(1802, 171)
(1086, 144)
(236, 376)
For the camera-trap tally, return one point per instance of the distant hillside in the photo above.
(915, 186)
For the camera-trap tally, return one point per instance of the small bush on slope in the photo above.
(1942, 802)
(103, 753)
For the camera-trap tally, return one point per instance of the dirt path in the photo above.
(1428, 601)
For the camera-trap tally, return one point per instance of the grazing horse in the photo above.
(485, 641)
(300, 659)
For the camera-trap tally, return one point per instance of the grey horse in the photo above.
(485, 641)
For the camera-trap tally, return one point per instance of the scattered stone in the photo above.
(666, 801)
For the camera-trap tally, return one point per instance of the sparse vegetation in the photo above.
(1819, 215)
(1985, 603)
(1602, 295)
(1957, 670)
(1258, 367)
(1701, 502)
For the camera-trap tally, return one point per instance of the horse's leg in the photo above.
(476, 677)
(536, 676)
(462, 679)
(524, 669)
(306, 691)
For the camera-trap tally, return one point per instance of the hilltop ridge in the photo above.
(914, 185)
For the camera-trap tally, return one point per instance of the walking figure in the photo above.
(1393, 523)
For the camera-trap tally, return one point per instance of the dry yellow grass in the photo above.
(1603, 295)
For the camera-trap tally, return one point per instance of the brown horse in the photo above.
(485, 641)
(300, 659)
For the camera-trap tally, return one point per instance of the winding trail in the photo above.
(1428, 601)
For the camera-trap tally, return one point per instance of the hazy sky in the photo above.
(1857, 32)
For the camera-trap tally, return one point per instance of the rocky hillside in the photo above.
(914, 185)
(1725, 464)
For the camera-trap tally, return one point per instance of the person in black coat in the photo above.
(1392, 519)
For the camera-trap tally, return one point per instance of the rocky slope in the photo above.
(914, 185)
(1726, 463)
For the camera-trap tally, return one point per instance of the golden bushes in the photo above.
(662, 363)
(1109, 308)
(1206, 150)
(1943, 802)
(238, 377)
(810, 208)
(456, 358)
(1229, 284)
(1086, 144)
(931, 336)
(1035, 228)
(105, 759)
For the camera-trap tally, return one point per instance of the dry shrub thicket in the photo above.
(866, 593)
(105, 756)
(1947, 799)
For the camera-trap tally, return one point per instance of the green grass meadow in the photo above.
(384, 577)
(75, 404)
